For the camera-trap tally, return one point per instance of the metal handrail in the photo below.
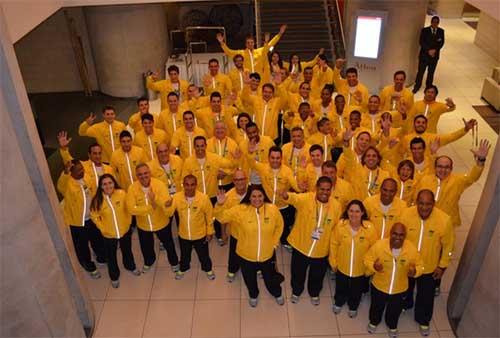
(339, 15)
(329, 24)
(257, 23)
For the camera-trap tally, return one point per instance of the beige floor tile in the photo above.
(216, 318)
(307, 319)
(132, 287)
(218, 288)
(122, 318)
(448, 277)
(322, 336)
(97, 306)
(98, 288)
(263, 293)
(218, 254)
(268, 319)
(446, 334)
(166, 287)
(440, 316)
(169, 318)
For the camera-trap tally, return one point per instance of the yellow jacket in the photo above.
(107, 135)
(253, 60)
(309, 175)
(184, 141)
(171, 176)
(195, 218)
(89, 167)
(232, 199)
(434, 237)
(149, 143)
(313, 218)
(206, 119)
(237, 79)
(275, 182)
(342, 192)
(447, 192)
(260, 155)
(393, 278)
(165, 86)
(309, 126)
(347, 251)
(365, 182)
(206, 173)
(77, 198)
(169, 122)
(320, 79)
(113, 219)
(294, 101)
(326, 141)
(135, 122)
(387, 103)
(265, 114)
(124, 165)
(139, 205)
(432, 111)
(258, 231)
(383, 221)
(219, 83)
(194, 104)
(405, 190)
(344, 89)
(224, 149)
(371, 122)
(293, 161)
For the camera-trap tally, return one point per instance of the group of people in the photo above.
(277, 153)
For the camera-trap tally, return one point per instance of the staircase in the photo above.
(308, 27)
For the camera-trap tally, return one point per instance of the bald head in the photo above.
(398, 235)
(240, 181)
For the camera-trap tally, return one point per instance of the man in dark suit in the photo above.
(431, 42)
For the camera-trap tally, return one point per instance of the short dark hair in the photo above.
(322, 122)
(420, 116)
(426, 191)
(409, 164)
(417, 140)
(324, 179)
(315, 147)
(400, 72)
(173, 68)
(148, 117)
(251, 124)
(355, 112)
(173, 94)
(328, 87)
(296, 128)
(190, 177)
(352, 70)
(268, 85)
(238, 56)
(376, 96)
(361, 206)
(255, 76)
(389, 179)
(215, 94)
(435, 17)
(95, 144)
(304, 104)
(213, 60)
(187, 112)
(200, 137)
(432, 87)
(125, 133)
(339, 96)
(275, 149)
(108, 108)
(308, 68)
(329, 164)
(142, 98)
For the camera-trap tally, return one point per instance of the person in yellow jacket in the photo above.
(359, 145)
(317, 213)
(351, 239)
(238, 74)
(195, 100)
(355, 93)
(233, 198)
(170, 118)
(215, 81)
(295, 99)
(385, 209)
(296, 151)
(216, 111)
(420, 126)
(448, 187)
(406, 181)
(370, 119)
(125, 159)
(167, 168)
(305, 119)
(108, 210)
(224, 146)
(259, 226)
(394, 95)
(391, 261)
(365, 176)
(149, 137)
(325, 137)
(325, 106)
(430, 108)
(134, 121)
(254, 58)
(309, 173)
(261, 153)
(93, 167)
(77, 190)
(295, 65)
(265, 108)
(195, 226)
(341, 189)
(183, 137)
(431, 231)
(275, 178)
(146, 199)
(322, 75)
(241, 126)
(106, 133)
(172, 84)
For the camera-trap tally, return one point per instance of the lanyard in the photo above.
(84, 204)
(213, 82)
(174, 121)
(190, 144)
(241, 79)
(325, 148)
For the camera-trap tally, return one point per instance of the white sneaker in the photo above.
(115, 284)
(136, 272)
(315, 301)
(352, 313)
(336, 309)
(175, 268)
(95, 274)
(179, 275)
(294, 299)
(253, 302)
(210, 275)
(280, 300)
(371, 328)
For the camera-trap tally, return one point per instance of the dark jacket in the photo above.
(431, 41)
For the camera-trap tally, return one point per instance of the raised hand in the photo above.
(169, 202)
(481, 152)
(403, 109)
(303, 161)
(267, 37)
(284, 194)
(67, 167)
(236, 154)
(90, 119)
(220, 37)
(283, 29)
(221, 196)
(221, 174)
(469, 124)
(386, 124)
(62, 138)
(252, 146)
(393, 142)
(449, 102)
(348, 134)
(321, 51)
(207, 81)
(378, 266)
(339, 63)
(435, 145)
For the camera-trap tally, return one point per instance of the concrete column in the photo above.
(487, 35)
(474, 302)
(400, 46)
(41, 290)
(127, 41)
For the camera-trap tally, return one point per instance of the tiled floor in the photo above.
(155, 305)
